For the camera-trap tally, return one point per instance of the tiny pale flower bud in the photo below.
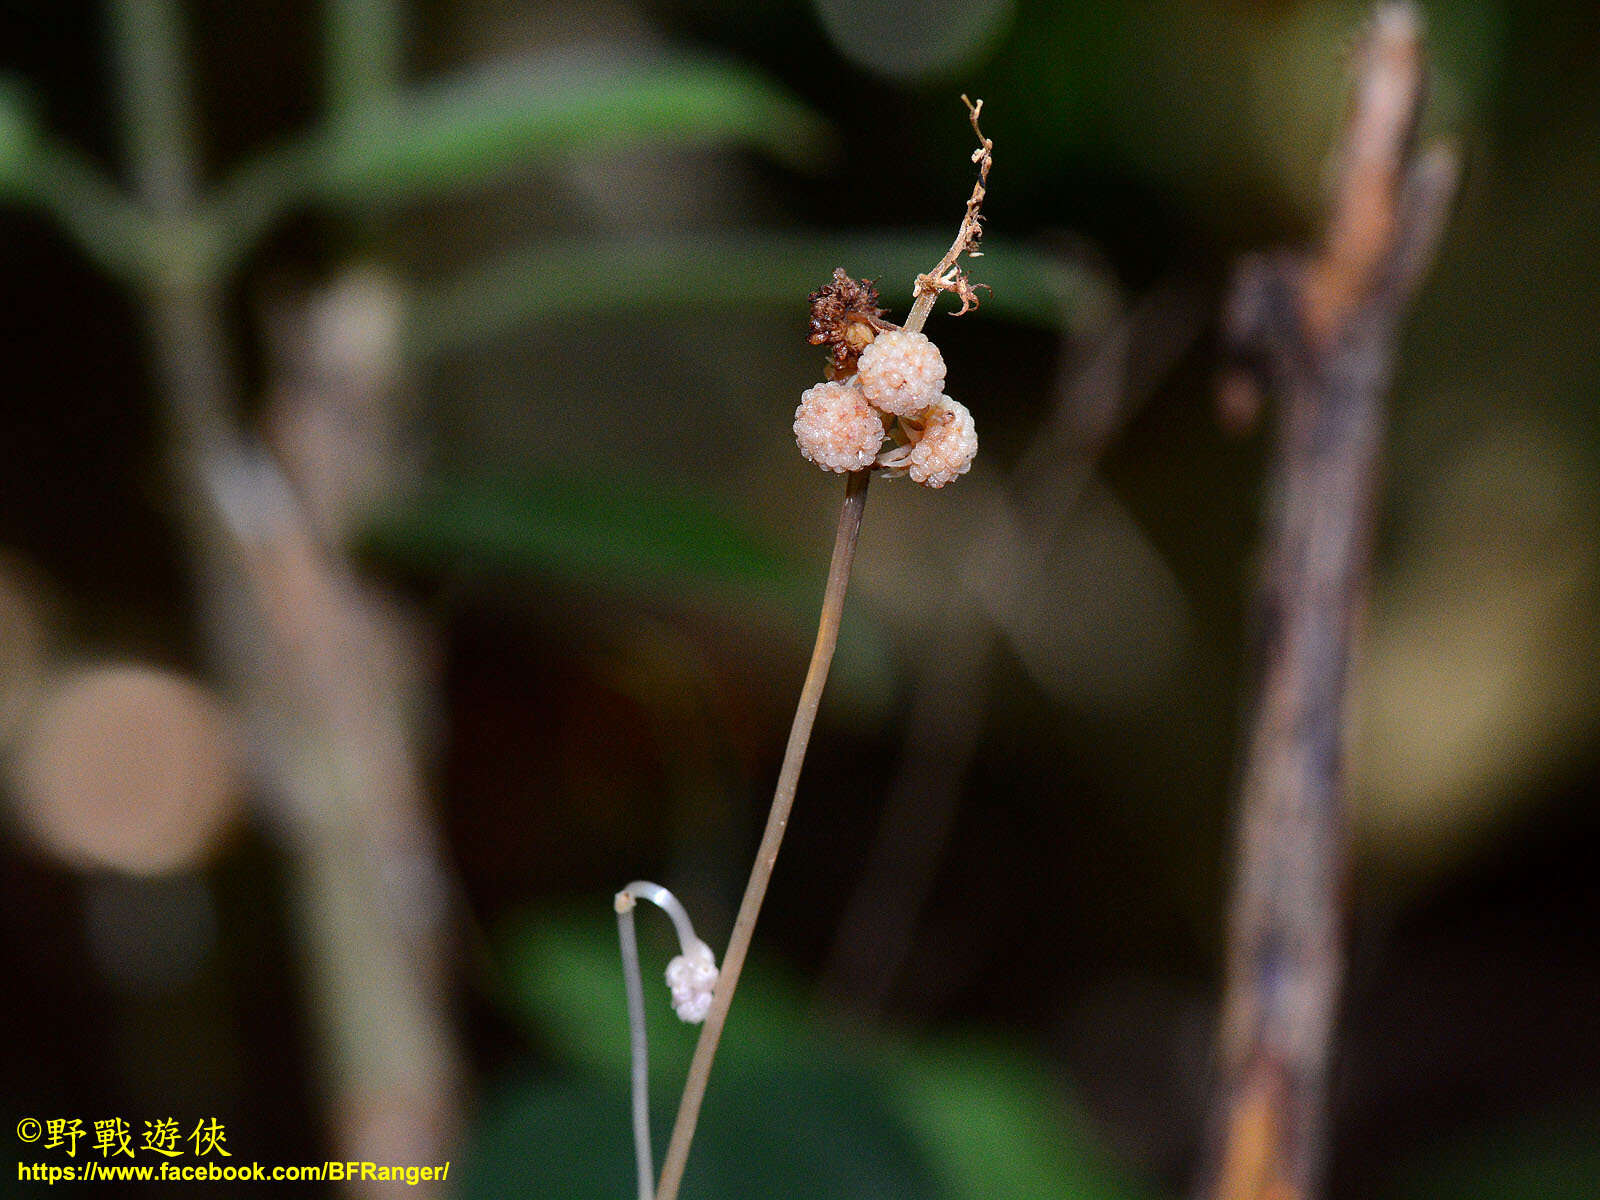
(901, 373)
(947, 447)
(836, 428)
(691, 978)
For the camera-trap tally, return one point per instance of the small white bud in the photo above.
(692, 977)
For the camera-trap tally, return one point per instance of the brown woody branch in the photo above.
(1318, 331)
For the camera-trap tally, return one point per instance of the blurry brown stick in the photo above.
(1319, 332)
(308, 654)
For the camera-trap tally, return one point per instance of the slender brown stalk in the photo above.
(1320, 332)
(744, 925)
(945, 277)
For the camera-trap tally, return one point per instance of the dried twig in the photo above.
(1320, 333)
(947, 276)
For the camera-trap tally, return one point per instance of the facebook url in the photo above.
(212, 1172)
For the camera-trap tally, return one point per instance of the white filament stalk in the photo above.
(691, 977)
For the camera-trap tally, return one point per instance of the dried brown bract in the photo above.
(845, 317)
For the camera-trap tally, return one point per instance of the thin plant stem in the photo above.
(669, 904)
(181, 299)
(637, 1044)
(157, 119)
(944, 277)
(694, 1090)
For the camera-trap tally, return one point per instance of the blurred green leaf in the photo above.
(820, 1130)
(613, 530)
(566, 979)
(464, 131)
(631, 535)
(364, 50)
(995, 1124)
(478, 126)
(40, 171)
(19, 132)
(552, 280)
(791, 1130)
(823, 1115)
(567, 1138)
(1555, 1157)
(109, 227)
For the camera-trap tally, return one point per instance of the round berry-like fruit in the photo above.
(947, 447)
(901, 373)
(836, 428)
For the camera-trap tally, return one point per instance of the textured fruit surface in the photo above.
(901, 373)
(948, 445)
(836, 428)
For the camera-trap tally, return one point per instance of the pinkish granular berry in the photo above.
(836, 428)
(901, 373)
(947, 447)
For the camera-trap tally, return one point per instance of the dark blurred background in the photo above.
(559, 305)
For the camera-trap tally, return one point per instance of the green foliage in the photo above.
(1553, 1158)
(629, 531)
(458, 132)
(633, 535)
(732, 270)
(994, 1123)
(789, 1131)
(19, 133)
(461, 132)
(440, 138)
(795, 1109)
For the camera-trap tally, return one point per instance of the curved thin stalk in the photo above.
(694, 1090)
(696, 958)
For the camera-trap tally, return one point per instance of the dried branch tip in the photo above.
(1358, 255)
(947, 276)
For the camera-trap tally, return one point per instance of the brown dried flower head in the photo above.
(845, 317)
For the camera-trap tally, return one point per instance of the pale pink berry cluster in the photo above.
(947, 447)
(897, 390)
(836, 428)
(901, 373)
